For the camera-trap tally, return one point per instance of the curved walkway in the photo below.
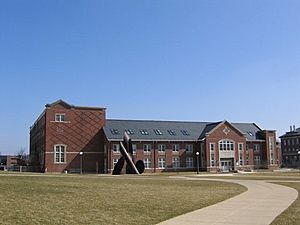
(258, 206)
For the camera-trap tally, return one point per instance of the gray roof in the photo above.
(291, 133)
(162, 130)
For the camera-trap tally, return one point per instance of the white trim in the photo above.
(65, 154)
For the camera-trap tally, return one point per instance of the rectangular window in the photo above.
(297, 141)
(212, 154)
(129, 132)
(284, 142)
(116, 148)
(161, 163)
(256, 148)
(59, 117)
(241, 154)
(175, 148)
(185, 132)
(189, 162)
(134, 149)
(147, 148)
(175, 162)
(60, 153)
(147, 162)
(161, 148)
(256, 160)
(189, 148)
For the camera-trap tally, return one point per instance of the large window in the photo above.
(147, 148)
(134, 149)
(189, 162)
(189, 148)
(212, 154)
(241, 154)
(175, 162)
(60, 153)
(161, 148)
(147, 162)
(161, 163)
(256, 148)
(226, 145)
(175, 147)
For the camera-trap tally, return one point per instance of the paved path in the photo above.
(258, 206)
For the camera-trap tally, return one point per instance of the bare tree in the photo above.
(22, 157)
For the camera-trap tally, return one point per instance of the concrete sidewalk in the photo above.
(258, 206)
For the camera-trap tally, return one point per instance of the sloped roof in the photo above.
(67, 105)
(162, 130)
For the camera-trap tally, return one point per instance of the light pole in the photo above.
(81, 154)
(197, 156)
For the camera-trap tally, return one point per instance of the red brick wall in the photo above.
(81, 131)
(217, 135)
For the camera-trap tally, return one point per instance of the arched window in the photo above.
(226, 145)
(60, 153)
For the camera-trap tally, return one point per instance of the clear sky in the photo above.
(193, 60)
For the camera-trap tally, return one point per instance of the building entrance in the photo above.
(227, 165)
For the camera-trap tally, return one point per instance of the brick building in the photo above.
(290, 147)
(63, 131)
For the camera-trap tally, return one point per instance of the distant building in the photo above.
(8, 161)
(63, 131)
(290, 147)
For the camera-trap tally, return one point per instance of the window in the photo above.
(241, 154)
(256, 148)
(226, 145)
(115, 161)
(59, 117)
(250, 133)
(189, 162)
(147, 148)
(134, 149)
(212, 154)
(185, 132)
(256, 160)
(147, 162)
(144, 132)
(284, 142)
(175, 148)
(297, 141)
(293, 141)
(129, 132)
(116, 148)
(115, 131)
(288, 142)
(171, 132)
(60, 153)
(189, 148)
(161, 163)
(161, 147)
(175, 162)
(157, 132)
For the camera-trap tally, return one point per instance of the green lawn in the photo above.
(291, 216)
(69, 199)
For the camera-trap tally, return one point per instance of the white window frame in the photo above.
(147, 148)
(189, 162)
(147, 163)
(241, 153)
(60, 117)
(175, 147)
(189, 148)
(161, 148)
(175, 162)
(134, 149)
(60, 153)
(212, 150)
(226, 145)
(161, 163)
(116, 148)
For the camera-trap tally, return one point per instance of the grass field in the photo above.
(291, 216)
(66, 199)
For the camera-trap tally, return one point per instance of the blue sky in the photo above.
(194, 60)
